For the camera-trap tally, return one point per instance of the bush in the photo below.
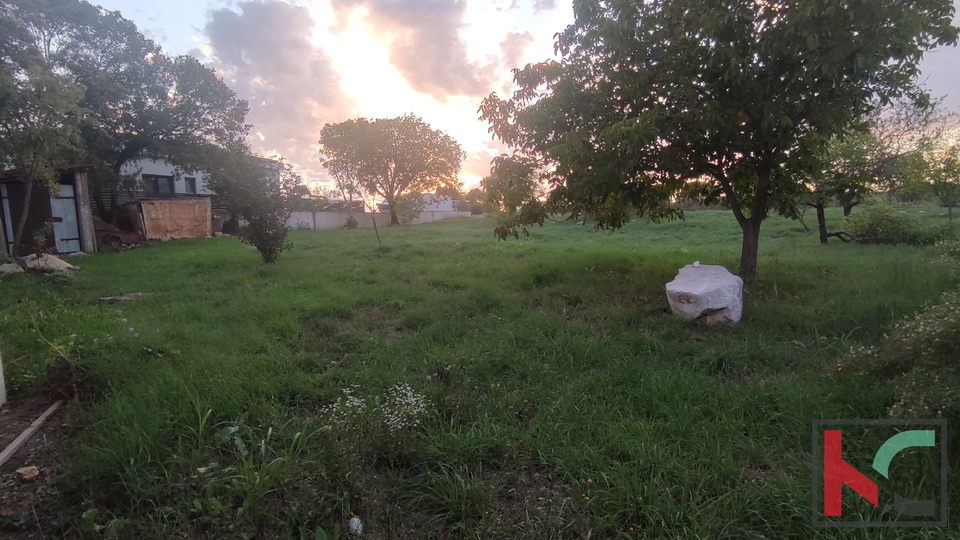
(351, 223)
(922, 354)
(266, 228)
(409, 207)
(887, 224)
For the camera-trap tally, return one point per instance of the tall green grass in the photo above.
(562, 398)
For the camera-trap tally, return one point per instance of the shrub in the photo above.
(351, 223)
(922, 355)
(266, 229)
(887, 224)
(409, 207)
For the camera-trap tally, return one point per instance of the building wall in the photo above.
(140, 167)
(438, 204)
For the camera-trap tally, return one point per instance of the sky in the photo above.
(305, 63)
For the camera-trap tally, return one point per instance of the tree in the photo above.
(741, 96)
(339, 149)
(392, 157)
(39, 120)
(510, 192)
(253, 192)
(142, 102)
(945, 176)
(852, 164)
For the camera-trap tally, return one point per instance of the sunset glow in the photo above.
(303, 64)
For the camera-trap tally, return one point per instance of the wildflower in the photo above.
(136, 335)
(94, 340)
(130, 329)
(158, 331)
(428, 377)
(109, 338)
(123, 320)
(448, 368)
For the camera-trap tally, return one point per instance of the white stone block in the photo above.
(708, 293)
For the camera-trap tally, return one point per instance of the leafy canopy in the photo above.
(392, 157)
(741, 96)
(142, 102)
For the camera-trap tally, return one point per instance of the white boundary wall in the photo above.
(336, 220)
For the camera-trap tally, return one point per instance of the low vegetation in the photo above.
(443, 384)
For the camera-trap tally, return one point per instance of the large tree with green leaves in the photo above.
(392, 157)
(741, 96)
(142, 102)
(40, 117)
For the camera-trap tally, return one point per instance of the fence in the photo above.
(337, 219)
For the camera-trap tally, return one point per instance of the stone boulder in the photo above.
(708, 293)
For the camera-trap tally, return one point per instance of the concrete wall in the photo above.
(335, 220)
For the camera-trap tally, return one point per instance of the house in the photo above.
(158, 179)
(438, 203)
(66, 208)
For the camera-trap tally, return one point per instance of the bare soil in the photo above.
(32, 510)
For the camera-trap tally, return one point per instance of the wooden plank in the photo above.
(27, 433)
(3, 387)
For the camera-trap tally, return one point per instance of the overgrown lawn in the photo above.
(446, 385)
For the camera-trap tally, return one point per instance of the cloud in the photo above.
(513, 47)
(425, 44)
(478, 163)
(263, 52)
(544, 5)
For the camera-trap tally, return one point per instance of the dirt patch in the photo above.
(537, 503)
(337, 334)
(32, 510)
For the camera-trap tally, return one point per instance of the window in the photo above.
(155, 183)
(190, 185)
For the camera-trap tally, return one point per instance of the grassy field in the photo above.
(444, 385)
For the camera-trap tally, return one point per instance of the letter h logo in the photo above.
(837, 472)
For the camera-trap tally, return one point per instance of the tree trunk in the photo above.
(821, 224)
(21, 224)
(847, 208)
(392, 202)
(114, 206)
(950, 213)
(750, 249)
